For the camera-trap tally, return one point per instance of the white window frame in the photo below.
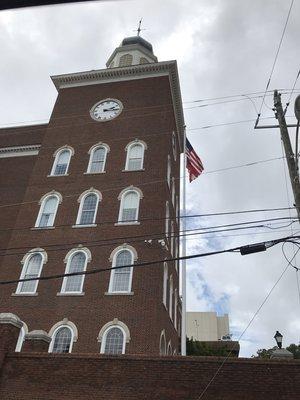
(67, 260)
(165, 283)
(167, 227)
(173, 191)
(175, 307)
(51, 345)
(162, 337)
(169, 171)
(121, 198)
(42, 203)
(103, 341)
(56, 155)
(25, 261)
(112, 273)
(81, 201)
(172, 239)
(91, 153)
(127, 149)
(21, 338)
(171, 297)
(174, 145)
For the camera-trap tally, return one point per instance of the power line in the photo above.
(151, 236)
(291, 94)
(276, 55)
(246, 328)
(143, 264)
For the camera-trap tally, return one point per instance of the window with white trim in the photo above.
(21, 339)
(76, 263)
(88, 209)
(32, 269)
(97, 160)
(162, 344)
(114, 341)
(171, 297)
(135, 157)
(175, 308)
(165, 283)
(61, 162)
(169, 349)
(120, 278)
(129, 206)
(169, 171)
(125, 60)
(47, 211)
(172, 239)
(174, 146)
(167, 219)
(62, 340)
(173, 191)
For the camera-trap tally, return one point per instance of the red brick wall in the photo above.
(147, 115)
(77, 377)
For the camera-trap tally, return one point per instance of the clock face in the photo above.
(107, 109)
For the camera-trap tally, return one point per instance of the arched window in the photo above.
(167, 219)
(129, 206)
(174, 146)
(165, 284)
(173, 191)
(32, 268)
(120, 278)
(169, 171)
(97, 159)
(135, 157)
(143, 60)
(48, 210)
(175, 308)
(113, 341)
(21, 339)
(88, 208)
(62, 340)
(171, 297)
(172, 239)
(169, 349)
(76, 262)
(125, 60)
(61, 162)
(162, 344)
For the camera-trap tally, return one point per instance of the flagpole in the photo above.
(183, 251)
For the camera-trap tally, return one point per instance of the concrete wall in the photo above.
(207, 326)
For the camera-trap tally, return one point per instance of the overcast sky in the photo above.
(223, 48)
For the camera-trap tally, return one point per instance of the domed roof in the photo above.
(137, 40)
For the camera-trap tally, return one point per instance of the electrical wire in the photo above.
(247, 327)
(142, 238)
(291, 94)
(142, 264)
(276, 55)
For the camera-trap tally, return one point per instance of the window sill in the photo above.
(42, 228)
(119, 293)
(84, 226)
(70, 294)
(127, 223)
(56, 176)
(24, 294)
(133, 170)
(94, 173)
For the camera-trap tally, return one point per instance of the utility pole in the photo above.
(290, 157)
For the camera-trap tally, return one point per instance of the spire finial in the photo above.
(139, 29)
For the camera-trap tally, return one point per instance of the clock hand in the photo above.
(110, 109)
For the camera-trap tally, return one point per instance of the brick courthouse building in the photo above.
(96, 187)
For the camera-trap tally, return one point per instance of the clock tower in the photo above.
(99, 210)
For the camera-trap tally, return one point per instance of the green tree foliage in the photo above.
(266, 353)
(195, 348)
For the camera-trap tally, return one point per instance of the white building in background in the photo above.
(207, 326)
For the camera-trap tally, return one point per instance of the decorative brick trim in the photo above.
(19, 151)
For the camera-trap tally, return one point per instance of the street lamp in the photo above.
(278, 337)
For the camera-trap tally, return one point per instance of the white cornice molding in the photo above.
(132, 72)
(19, 151)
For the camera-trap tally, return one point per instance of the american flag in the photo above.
(193, 163)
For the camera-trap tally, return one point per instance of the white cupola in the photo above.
(132, 51)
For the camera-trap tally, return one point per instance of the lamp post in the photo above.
(278, 337)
